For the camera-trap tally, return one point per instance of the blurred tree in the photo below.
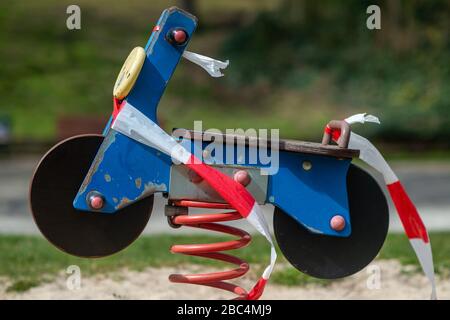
(189, 6)
(401, 71)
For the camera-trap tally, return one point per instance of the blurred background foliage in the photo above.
(295, 64)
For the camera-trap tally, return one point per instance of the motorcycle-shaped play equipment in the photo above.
(92, 195)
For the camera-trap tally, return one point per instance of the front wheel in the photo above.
(55, 184)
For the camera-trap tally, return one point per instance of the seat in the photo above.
(284, 144)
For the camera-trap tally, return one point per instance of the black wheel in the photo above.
(55, 184)
(329, 257)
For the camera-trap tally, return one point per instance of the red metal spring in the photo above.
(213, 250)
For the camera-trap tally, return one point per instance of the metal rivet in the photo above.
(194, 177)
(242, 177)
(337, 223)
(95, 200)
(177, 36)
(307, 165)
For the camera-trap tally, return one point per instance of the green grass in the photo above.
(28, 261)
(397, 247)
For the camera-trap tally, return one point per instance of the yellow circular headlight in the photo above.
(129, 73)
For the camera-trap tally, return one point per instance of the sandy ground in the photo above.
(395, 283)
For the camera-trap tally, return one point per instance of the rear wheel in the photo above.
(329, 257)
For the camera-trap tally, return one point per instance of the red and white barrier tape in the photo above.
(132, 123)
(407, 212)
(212, 66)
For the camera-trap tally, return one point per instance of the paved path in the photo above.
(428, 184)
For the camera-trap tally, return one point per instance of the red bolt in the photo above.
(96, 202)
(179, 36)
(194, 177)
(242, 177)
(337, 223)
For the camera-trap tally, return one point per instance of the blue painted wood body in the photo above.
(125, 171)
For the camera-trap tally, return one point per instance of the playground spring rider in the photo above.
(92, 195)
